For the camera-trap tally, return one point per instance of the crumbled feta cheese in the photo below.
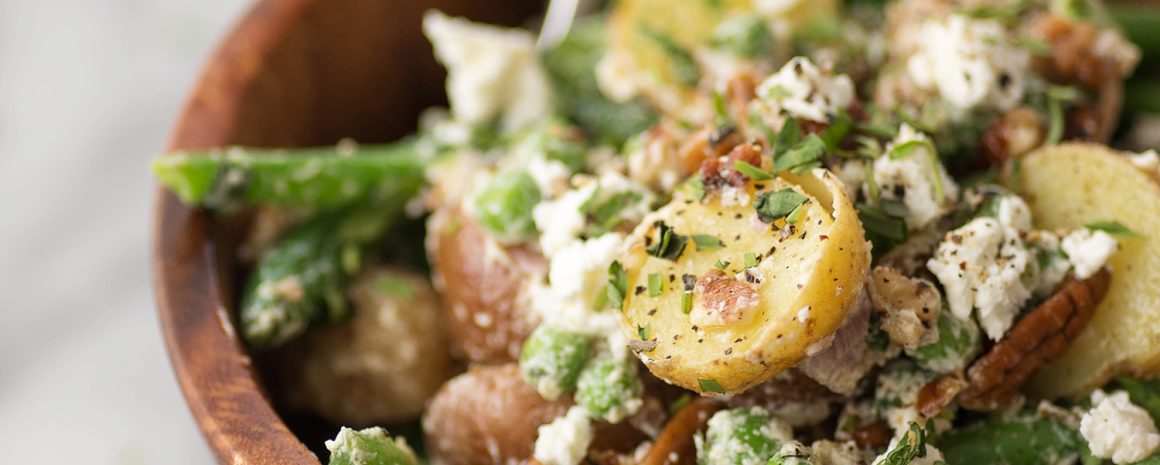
(576, 274)
(1051, 266)
(1117, 429)
(734, 197)
(980, 265)
(911, 179)
(560, 221)
(491, 72)
(565, 440)
(1014, 213)
(551, 176)
(852, 173)
(802, 90)
(725, 447)
(970, 63)
(1088, 251)
(898, 390)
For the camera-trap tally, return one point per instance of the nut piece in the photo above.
(1082, 54)
(935, 396)
(909, 307)
(1017, 132)
(1035, 340)
(720, 300)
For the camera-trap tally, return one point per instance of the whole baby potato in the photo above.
(487, 416)
(381, 366)
(484, 285)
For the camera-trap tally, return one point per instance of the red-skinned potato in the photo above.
(483, 284)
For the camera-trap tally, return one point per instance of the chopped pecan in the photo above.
(1041, 336)
(909, 306)
(674, 446)
(1081, 53)
(874, 435)
(717, 172)
(719, 299)
(935, 396)
(1015, 133)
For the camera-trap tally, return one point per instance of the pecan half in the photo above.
(674, 446)
(1035, 340)
(935, 396)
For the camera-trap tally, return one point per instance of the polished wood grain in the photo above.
(292, 73)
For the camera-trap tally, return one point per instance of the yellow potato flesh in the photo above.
(811, 279)
(1071, 185)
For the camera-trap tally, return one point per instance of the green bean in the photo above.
(551, 360)
(741, 436)
(957, 344)
(1012, 441)
(370, 446)
(321, 177)
(504, 206)
(609, 389)
(1145, 393)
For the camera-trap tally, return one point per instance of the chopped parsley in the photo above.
(797, 213)
(617, 285)
(668, 244)
(695, 186)
(1114, 228)
(752, 172)
(789, 136)
(883, 230)
(750, 260)
(687, 302)
(655, 286)
(721, 264)
(604, 215)
(710, 385)
(910, 446)
(645, 332)
(836, 132)
(772, 206)
(802, 157)
(707, 242)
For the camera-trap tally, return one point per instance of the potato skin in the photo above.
(487, 416)
(381, 366)
(484, 286)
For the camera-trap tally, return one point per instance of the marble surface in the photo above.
(88, 91)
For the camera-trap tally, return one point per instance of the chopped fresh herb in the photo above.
(774, 93)
(804, 153)
(796, 214)
(710, 385)
(654, 285)
(877, 223)
(645, 332)
(772, 206)
(707, 242)
(617, 285)
(750, 260)
(668, 244)
(683, 65)
(752, 172)
(910, 446)
(719, 106)
(721, 264)
(895, 208)
(1034, 45)
(696, 187)
(836, 132)
(876, 130)
(871, 184)
(679, 404)
(687, 302)
(605, 214)
(789, 136)
(1114, 228)
(990, 176)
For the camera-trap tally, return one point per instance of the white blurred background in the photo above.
(88, 92)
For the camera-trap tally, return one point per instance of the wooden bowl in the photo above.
(293, 73)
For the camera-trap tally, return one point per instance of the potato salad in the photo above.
(723, 232)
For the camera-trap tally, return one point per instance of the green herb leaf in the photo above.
(721, 264)
(710, 385)
(695, 186)
(789, 136)
(836, 132)
(687, 302)
(895, 208)
(617, 285)
(605, 214)
(679, 404)
(645, 332)
(1033, 45)
(750, 260)
(876, 221)
(752, 172)
(655, 286)
(1114, 228)
(772, 206)
(719, 106)
(707, 242)
(668, 244)
(910, 446)
(805, 152)
(796, 214)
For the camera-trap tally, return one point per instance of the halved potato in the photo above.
(807, 276)
(1068, 186)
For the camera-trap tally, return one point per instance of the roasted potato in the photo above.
(744, 299)
(483, 284)
(487, 416)
(1068, 186)
(381, 366)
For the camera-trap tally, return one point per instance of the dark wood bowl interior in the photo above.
(292, 73)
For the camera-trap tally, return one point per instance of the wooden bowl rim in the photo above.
(212, 368)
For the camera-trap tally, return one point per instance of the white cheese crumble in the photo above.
(1117, 429)
(970, 63)
(1088, 251)
(551, 176)
(1014, 213)
(911, 179)
(852, 173)
(576, 274)
(560, 221)
(802, 90)
(724, 446)
(491, 72)
(1147, 161)
(565, 440)
(980, 265)
(1052, 266)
